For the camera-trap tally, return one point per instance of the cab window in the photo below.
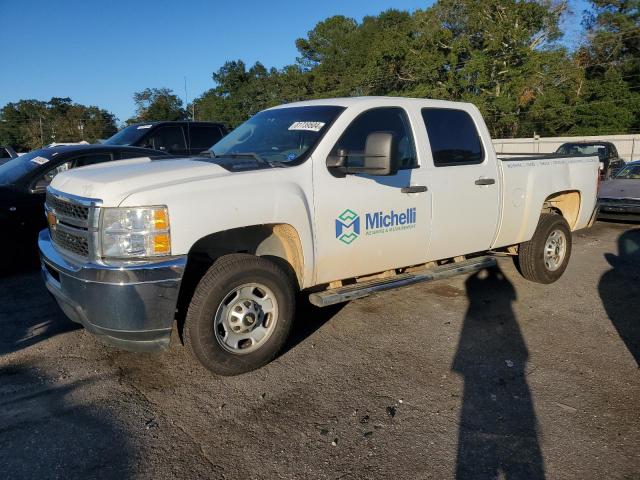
(168, 139)
(387, 119)
(453, 137)
(203, 137)
(91, 159)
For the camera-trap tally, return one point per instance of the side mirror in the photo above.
(380, 154)
(379, 157)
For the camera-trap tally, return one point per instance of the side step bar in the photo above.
(364, 289)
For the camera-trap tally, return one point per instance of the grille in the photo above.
(73, 243)
(67, 209)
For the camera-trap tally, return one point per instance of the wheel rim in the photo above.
(555, 250)
(246, 318)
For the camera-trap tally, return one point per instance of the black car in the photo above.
(6, 154)
(178, 138)
(23, 183)
(612, 163)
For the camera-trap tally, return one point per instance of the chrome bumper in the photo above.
(131, 307)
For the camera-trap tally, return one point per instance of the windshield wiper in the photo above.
(253, 155)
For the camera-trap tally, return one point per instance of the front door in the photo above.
(364, 223)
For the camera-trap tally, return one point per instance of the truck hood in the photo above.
(620, 188)
(114, 181)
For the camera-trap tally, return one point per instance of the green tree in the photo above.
(30, 124)
(155, 104)
(502, 55)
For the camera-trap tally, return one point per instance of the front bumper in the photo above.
(619, 210)
(131, 306)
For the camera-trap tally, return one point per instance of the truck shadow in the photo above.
(29, 314)
(498, 433)
(309, 319)
(45, 434)
(619, 290)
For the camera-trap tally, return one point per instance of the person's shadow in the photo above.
(619, 290)
(498, 434)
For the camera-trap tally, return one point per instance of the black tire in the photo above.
(531, 255)
(225, 275)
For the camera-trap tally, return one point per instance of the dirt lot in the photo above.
(476, 377)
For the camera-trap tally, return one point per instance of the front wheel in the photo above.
(240, 315)
(545, 257)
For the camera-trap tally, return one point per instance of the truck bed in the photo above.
(565, 180)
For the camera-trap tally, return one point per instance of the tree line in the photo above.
(505, 56)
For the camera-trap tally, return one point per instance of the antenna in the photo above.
(186, 95)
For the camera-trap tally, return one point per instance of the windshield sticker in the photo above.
(291, 156)
(39, 160)
(141, 127)
(308, 126)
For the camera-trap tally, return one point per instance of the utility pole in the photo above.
(41, 132)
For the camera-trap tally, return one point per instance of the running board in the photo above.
(364, 289)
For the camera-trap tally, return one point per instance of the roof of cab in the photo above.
(374, 101)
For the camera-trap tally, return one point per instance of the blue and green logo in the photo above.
(347, 226)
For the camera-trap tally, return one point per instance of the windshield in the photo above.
(15, 169)
(128, 136)
(583, 149)
(282, 135)
(630, 172)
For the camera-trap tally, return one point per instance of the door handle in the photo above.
(414, 189)
(485, 181)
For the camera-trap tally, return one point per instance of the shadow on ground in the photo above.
(29, 314)
(308, 319)
(498, 433)
(619, 290)
(45, 434)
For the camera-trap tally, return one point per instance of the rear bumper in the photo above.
(131, 307)
(619, 211)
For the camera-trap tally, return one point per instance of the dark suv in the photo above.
(178, 138)
(612, 163)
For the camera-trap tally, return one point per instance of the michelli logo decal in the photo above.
(348, 226)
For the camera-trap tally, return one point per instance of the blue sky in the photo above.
(100, 53)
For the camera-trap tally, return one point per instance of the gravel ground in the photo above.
(486, 376)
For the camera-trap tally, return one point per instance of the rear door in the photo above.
(464, 183)
(202, 137)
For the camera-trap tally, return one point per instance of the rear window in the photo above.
(583, 149)
(453, 137)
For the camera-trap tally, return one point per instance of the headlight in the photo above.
(135, 232)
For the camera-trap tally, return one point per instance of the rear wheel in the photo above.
(545, 257)
(240, 314)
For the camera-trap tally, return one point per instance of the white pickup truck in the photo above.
(337, 198)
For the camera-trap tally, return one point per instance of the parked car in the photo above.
(619, 198)
(338, 198)
(23, 183)
(611, 161)
(178, 138)
(6, 154)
